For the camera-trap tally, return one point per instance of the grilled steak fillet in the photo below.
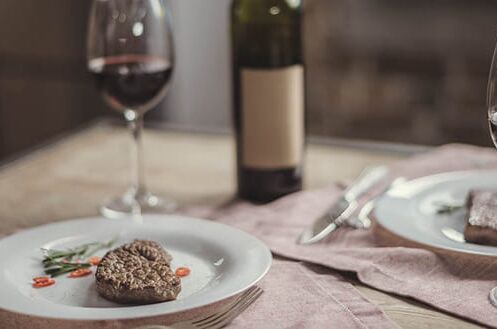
(137, 273)
(481, 221)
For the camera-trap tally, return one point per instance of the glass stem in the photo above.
(135, 124)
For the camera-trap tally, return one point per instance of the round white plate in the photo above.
(224, 261)
(410, 210)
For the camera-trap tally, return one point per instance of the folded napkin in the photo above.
(450, 282)
(309, 296)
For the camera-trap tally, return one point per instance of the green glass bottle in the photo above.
(268, 97)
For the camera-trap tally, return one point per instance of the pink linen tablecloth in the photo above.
(450, 282)
(313, 294)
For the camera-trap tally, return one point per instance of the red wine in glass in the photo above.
(135, 82)
(130, 52)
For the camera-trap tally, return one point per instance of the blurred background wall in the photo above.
(44, 87)
(400, 70)
(409, 71)
(200, 91)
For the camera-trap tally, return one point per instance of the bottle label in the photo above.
(272, 117)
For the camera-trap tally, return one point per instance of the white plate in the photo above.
(224, 261)
(410, 210)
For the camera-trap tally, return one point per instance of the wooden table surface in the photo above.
(71, 177)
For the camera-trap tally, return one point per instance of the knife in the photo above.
(361, 220)
(344, 207)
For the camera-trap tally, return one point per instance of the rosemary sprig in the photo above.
(57, 262)
(59, 268)
(99, 246)
(447, 209)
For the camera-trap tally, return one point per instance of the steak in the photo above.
(481, 220)
(137, 273)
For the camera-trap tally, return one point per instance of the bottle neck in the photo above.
(266, 11)
(266, 33)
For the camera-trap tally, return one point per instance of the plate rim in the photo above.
(265, 252)
(436, 245)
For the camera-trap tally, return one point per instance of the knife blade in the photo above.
(344, 207)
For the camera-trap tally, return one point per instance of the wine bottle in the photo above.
(268, 97)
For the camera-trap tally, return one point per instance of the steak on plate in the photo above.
(481, 221)
(137, 273)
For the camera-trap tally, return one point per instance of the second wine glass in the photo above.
(130, 54)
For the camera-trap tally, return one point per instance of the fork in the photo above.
(218, 318)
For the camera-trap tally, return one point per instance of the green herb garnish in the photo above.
(57, 262)
(447, 209)
(58, 268)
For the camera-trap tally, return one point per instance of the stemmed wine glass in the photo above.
(492, 122)
(492, 98)
(130, 54)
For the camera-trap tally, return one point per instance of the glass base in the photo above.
(137, 204)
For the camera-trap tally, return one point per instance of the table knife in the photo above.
(345, 206)
(361, 220)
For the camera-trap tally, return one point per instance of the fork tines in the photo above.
(227, 314)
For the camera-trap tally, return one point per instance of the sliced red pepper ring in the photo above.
(80, 273)
(41, 279)
(182, 271)
(95, 260)
(41, 284)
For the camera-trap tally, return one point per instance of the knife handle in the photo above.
(368, 178)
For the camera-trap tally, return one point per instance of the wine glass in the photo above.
(130, 54)
(492, 123)
(492, 98)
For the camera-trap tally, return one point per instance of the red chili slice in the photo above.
(182, 271)
(41, 279)
(42, 284)
(95, 260)
(80, 273)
